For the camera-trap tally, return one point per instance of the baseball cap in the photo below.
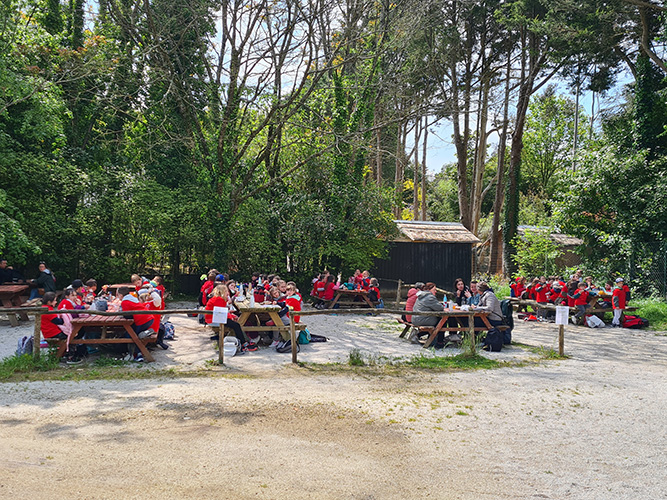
(619, 280)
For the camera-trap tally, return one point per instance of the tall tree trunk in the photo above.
(477, 186)
(495, 262)
(423, 201)
(398, 177)
(415, 176)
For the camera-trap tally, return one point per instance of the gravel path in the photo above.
(590, 427)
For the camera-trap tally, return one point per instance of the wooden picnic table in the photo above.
(111, 325)
(262, 314)
(113, 289)
(10, 296)
(350, 298)
(471, 314)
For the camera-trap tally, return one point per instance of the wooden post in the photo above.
(561, 340)
(37, 336)
(471, 328)
(398, 294)
(292, 333)
(221, 344)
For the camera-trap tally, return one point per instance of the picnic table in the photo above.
(471, 314)
(262, 314)
(112, 327)
(113, 289)
(10, 296)
(351, 298)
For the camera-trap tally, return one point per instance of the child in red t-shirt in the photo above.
(220, 298)
(618, 302)
(580, 297)
(374, 293)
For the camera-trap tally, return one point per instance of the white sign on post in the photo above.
(220, 315)
(562, 315)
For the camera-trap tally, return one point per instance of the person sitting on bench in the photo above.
(426, 301)
(488, 302)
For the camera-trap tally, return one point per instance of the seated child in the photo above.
(220, 298)
(374, 293)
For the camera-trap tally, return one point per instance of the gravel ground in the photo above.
(593, 426)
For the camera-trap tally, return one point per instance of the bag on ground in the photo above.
(593, 321)
(634, 322)
(493, 341)
(317, 338)
(169, 330)
(25, 346)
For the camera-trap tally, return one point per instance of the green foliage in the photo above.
(653, 309)
(548, 141)
(14, 365)
(536, 252)
(460, 362)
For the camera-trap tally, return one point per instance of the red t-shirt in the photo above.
(131, 303)
(206, 288)
(618, 296)
(66, 304)
(329, 290)
(214, 302)
(541, 292)
(49, 330)
(582, 299)
(294, 301)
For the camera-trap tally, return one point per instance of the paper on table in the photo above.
(562, 313)
(220, 315)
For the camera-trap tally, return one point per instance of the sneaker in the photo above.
(139, 358)
(254, 340)
(128, 357)
(73, 360)
(287, 347)
(274, 344)
(414, 338)
(146, 333)
(250, 346)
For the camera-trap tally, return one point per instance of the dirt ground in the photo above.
(593, 426)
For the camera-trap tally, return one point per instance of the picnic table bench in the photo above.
(442, 325)
(111, 326)
(10, 296)
(261, 314)
(351, 298)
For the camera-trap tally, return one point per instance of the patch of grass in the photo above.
(548, 352)
(14, 365)
(460, 362)
(356, 358)
(655, 310)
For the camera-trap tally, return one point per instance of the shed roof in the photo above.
(434, 232)
(562, 239)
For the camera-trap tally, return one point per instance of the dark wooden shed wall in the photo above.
(441, 263)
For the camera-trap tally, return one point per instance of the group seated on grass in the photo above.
(80, 298)
(579, 292)
(422, 298)
(325, 286)
(218, 291)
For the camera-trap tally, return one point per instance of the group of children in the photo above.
(579, 292)
(325, 286)
(218, 291)
(83, 298)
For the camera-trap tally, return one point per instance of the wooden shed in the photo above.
(427, 251)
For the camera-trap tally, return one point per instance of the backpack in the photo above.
(508, 320)
(317, 338)
(634, 322)
(169, 330)
(25, 346)
(493, 341)
(304, 336)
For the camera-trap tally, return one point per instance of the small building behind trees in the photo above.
(427, 251)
